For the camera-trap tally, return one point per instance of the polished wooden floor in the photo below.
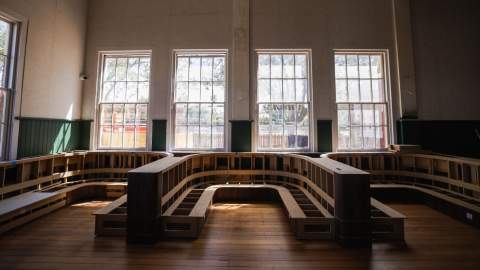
(249, 236)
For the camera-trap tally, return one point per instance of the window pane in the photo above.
(364, 66)
(144, 69)
(207, 69)
(353, 91)
(143, 89)
(129, 137)
(289, 138)
(356, 139)
(340, 66)
(132, 88)
(276, 68)
(352, 66)
(118, 114)
(182, 68)
(181, 91)
(120, 91)
(276, 90)
(206, 114)
(368, 115)
(142, 114)
(219, 69)
(109, 69)
(218, 137)
(106, 114)
(302, 137)
(205, 137)
(276, 136)
(277, 114)
(302, 117)
(140, 136)
(264, 114)
(180, 137)
(264, 136)
(180, 114)
(356, 115)
(301, 66)
(344, 137)
(341, 90)
(288, 66)
(108, 91)
(343, 117)
(193, 138)
(117, 137)
(263, 66)
(369, 137)
(193, 114)
(105, 136)
(378, 90)
(381, 137)
(377, 66)
(365, 91)
(130, 111)
(218, 92)
(263, 93)
(218, 114)
(289, 91)
(194, 69)
(380, 115)
(194, 92)
(289, 115)
(206, 92)
(132, 71)
(301, 90)
(121, 70)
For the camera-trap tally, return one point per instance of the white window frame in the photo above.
(171, 133)
(10, 73)
(101, 60)
(311, 127)
(388, 98)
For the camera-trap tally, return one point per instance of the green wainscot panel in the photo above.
(241, 133)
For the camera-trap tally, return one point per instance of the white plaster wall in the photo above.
(159, 26)
(54, 56)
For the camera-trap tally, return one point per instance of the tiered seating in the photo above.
(315, 192)
(33, 187)
(449, 184)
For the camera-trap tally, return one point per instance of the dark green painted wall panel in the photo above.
(159, 135)
(241, 133)
(40, 136)
(324, 135)
(460, 138)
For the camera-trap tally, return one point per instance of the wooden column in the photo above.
(352, 207)
(144, 199)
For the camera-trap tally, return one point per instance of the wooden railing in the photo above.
(37, 173)
(451, 179)
(342, 190)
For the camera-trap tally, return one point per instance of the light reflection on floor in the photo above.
(92, 204)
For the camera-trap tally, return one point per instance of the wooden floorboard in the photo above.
(237, 236)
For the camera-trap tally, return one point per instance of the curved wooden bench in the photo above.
(343, 191)
(33, 187)
(189, 226)
(447, 183)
